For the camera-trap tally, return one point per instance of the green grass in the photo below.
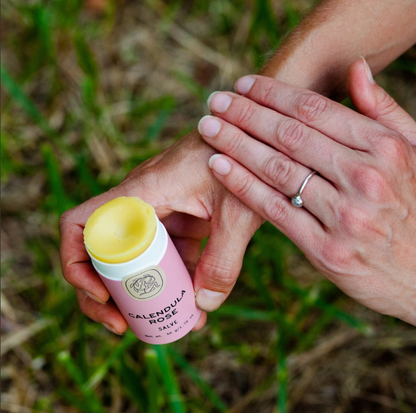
(86, 97)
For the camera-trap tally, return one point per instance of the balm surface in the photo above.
(120, 230)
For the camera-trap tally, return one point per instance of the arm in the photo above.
(317, 54)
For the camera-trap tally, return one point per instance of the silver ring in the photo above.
(297, 200)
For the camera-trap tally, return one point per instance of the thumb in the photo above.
(219, 266)
(373, 101)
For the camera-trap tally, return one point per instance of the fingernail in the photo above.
(111, 328)
(368, 71)
(208, 300)
(219, 164)
(209, 126)
(219, 102)
(93, 297)
(244, 84)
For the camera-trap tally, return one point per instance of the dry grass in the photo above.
(156, 62)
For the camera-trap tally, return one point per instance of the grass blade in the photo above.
(133, 382)
(8, 164)
(156, 129)
(255, 315)
(86, 176)
(282, 374)
(362, 327)
(292, 15)
(152, 384)
(313, 333)
(86, 59)
(27, 105)
(257, 279)
(73, 400)
(245, 313)
(81, 354)
(72, 369)
(170, 380)
(264, 22)
(99, 374)
(193, 373)
(193, 86)
(61, 201)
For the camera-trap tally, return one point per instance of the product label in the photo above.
(146, 284)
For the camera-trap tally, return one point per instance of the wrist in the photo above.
(298, 64)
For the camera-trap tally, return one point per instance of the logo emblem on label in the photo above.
(146, 284)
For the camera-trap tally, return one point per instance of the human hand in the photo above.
(192, 204)
(358, 224)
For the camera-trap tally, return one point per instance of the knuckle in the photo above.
(278, 170)
(233, 143)
(290, 133)
(218, 272)
(245, 114)
(337, 258)
(269, 93)
(83, 304)
(395, 147)
(386, 106)
(354, 221)
(275, 210)
(372, 183)
(63, 219)
(65, 274)
(310, 107)
(244, 185)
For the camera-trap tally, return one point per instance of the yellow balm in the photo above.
(120, 230)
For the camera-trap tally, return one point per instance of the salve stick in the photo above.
(142, 270)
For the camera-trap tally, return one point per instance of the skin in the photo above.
(319, 51)
(358, 223)
(191, 202)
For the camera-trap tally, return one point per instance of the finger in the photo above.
(107, 314)
(296, 223)
(201, 322)
(298, 141)
(373, 101)
(76, 263)
(232, 226)
(326, 116)
(274, 168)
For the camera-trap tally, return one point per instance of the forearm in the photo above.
(316, 55)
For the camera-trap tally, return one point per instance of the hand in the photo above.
(358, 224)
(192, 204)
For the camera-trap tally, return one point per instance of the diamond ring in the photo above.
(297, 200)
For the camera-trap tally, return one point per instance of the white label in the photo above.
(146, 284)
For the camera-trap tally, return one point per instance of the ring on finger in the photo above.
(297, 200)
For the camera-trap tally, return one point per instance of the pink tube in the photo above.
(154, 292)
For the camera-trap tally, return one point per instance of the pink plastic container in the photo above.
(154, 291)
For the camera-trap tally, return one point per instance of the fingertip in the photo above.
(95, 298)
(201, 321)
(357, 76)
(107, 313)
(112, 329)
(219, 164)
(361, 86)
(209, 300)
(367, 71)
(243, 85)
